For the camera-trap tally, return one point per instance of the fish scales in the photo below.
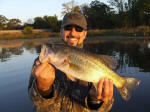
(85, 58)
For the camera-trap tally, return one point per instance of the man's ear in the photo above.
(85, 33)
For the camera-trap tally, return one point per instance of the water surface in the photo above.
(133, 58)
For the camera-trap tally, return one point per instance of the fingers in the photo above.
(40, 68)
(99, 88)
(107, 90)
(45, 75)
(110, 89)
(37, 63)
(44, 71)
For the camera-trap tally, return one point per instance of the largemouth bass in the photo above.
(86, 66)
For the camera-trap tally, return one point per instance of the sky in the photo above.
(29, 9)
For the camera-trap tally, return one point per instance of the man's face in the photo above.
(73, 35)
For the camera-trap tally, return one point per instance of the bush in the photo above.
(28, 30)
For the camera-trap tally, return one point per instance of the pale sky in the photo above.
(28, 9)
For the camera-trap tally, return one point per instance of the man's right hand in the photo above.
(45, 74)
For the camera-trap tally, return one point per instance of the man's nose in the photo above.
(73, 31)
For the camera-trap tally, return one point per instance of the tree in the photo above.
(119, 4)
(97, 14)
(39, 22)
(139, 12)
(144, 11)
(86, 11)
(3, 22)
(70, 7)
(51, 22)
(14, 24)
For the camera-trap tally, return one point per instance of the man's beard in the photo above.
(79, 45)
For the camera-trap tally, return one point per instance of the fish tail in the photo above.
(129, 85)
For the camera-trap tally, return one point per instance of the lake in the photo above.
(132, 56)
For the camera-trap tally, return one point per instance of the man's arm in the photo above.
(45, 75)
(41, 80)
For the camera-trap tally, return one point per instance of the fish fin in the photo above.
(109, 61)
(71, 77)
(129, 85)
(95, 85)
(72, 66)
(43, 54)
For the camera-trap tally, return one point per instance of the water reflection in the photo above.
(131, 53)
(6, 53)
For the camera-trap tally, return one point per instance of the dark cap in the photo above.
(74, 18)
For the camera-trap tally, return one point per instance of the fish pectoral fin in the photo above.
(129, 85)
(71, 77)
(95, 86)
(109, 61)
(73, 66)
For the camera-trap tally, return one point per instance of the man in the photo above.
(52, 90)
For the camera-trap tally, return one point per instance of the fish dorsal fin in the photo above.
(109, 61)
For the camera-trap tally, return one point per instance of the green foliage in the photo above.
(98, 15)
(28, 30)
(130, 13)
(13, 24)
(9, 24)
(47, 22)
(39, 23)
(3, 22)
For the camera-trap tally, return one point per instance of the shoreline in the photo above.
(46, 33)
(39, 41)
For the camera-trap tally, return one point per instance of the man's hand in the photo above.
(45, 75)
(104, 90)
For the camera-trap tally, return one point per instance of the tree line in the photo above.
(114, 14)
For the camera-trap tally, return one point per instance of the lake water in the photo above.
(133, 58)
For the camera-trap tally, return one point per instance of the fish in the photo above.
(84, 65)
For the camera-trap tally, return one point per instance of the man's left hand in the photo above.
(104, 90)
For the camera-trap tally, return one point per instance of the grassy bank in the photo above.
(143, 31)
(18, 34)
(134, 32)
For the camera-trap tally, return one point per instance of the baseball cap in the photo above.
(74, 18)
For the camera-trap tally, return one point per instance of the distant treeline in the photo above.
(114, 14)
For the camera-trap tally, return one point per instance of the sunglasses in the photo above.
(77, 28)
